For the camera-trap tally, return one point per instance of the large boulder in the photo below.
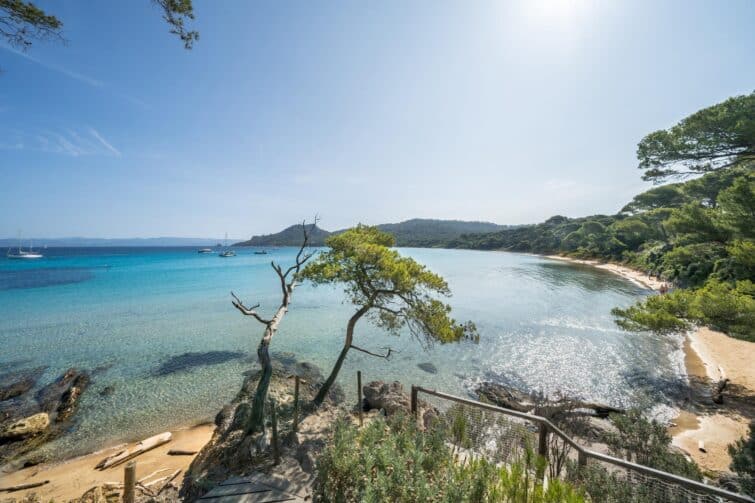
(387, 396)
(61, 397)
(505, 397)
(27, 427)
(14, 384)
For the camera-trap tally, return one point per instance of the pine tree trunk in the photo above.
(323, 392)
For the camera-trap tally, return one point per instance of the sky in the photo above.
(370, 112)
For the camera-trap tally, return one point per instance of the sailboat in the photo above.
(23, 254)
(226, 251)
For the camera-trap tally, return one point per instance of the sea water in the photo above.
(157, 329)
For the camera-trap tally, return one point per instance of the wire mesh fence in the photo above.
(505, 437)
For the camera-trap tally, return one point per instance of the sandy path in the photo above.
(70, 479)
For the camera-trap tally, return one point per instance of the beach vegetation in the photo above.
(742, 454)
(393, 460)
(394, 292)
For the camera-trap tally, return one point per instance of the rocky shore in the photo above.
(28, 421)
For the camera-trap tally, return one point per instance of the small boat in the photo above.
(204, 250)
(227, 252)
(260, 252)
(23, 254)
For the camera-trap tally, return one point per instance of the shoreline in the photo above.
(637, 277)
(709, 356)
(71, 478)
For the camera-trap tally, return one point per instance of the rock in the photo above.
(26, 427)
(388, 396)
(428, 367)
(17, 383)
(60, 398)
(307, 453)
(107, 391)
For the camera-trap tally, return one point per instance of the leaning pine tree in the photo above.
(395, 292)
(288, 281)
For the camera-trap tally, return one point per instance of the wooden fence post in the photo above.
(274, 420)
(359, 396)
(542, 448)
(414, 401)
(129, 482)
(295, 425)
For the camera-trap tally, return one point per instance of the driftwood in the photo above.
(140, 448)
(718, 392)
(141, 480)
(170, 479)
(509, 398)
(180, 452)
(21, 487)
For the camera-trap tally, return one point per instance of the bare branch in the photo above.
(248, 311)
(387, 356)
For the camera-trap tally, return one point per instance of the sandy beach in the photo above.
(709, 357)
(639, 278)
(70, 479)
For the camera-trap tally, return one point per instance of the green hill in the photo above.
(417, 232)
(290, 236)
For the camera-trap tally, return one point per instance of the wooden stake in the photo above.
(274, 420)
(129, 482)
(295, 425)
(359, 394)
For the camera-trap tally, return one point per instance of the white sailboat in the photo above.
(226, 251)
(23, 254)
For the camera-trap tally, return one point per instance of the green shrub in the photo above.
(743, 461)
(394, 461)
(647, 443)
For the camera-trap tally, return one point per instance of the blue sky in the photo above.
(373, 112)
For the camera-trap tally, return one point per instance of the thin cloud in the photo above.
(68, 73)
(90, 81)
(104, 142)
(71, 142)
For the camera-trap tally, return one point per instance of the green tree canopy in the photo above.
(713, 138)
(22, 22)
(397, 293)
(737, 208)
(665, 196)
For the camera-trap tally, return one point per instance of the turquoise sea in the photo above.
(129, 314)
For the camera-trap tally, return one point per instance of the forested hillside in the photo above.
(417, 232)
(698, 234)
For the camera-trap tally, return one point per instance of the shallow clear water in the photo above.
(544, 324)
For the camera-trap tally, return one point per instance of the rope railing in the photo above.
(696, 491)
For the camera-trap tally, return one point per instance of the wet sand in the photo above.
(72, 478)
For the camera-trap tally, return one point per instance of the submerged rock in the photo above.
(16, 384)
(428, 367)
(26, 427)
(188, 361)
(61, 397)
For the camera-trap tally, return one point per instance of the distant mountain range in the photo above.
(77, 242)
(417, 232)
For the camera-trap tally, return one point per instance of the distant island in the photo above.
(83, 242)
(417, 232)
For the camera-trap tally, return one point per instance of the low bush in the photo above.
(394, 461)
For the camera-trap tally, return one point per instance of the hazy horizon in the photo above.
(490, 111)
